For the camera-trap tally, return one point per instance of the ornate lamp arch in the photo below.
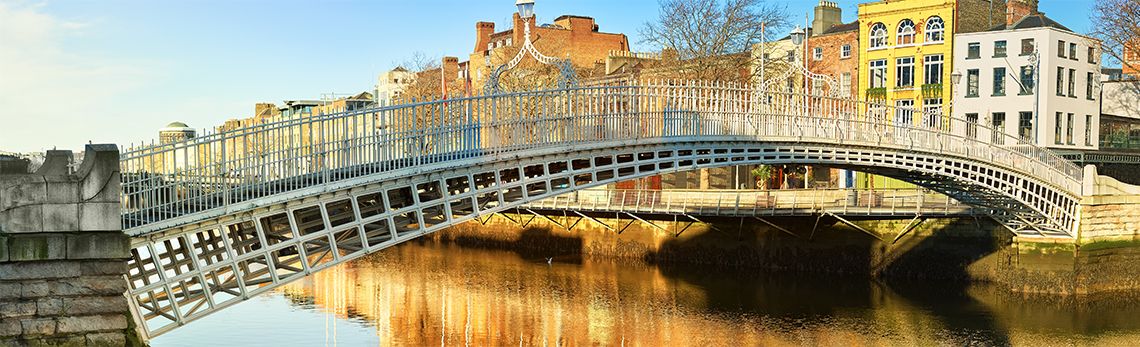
(568, 78)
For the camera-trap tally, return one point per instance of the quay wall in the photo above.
(960, 249)
(63, 254)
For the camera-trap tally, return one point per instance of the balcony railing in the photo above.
(877, 94)
(932, 90)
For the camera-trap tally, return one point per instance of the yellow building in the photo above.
(905, 57)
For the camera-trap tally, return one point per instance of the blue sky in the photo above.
(115, 71)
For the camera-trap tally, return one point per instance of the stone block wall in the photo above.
(63, 254)
(1110, 216)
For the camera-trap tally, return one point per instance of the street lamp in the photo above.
(526, 8)
(797, 35)
(955, 77)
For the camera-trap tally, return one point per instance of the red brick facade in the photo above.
(843, 68)
(575, 37)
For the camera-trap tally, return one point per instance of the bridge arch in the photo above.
(252, 212)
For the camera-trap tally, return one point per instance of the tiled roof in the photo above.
(842, 28)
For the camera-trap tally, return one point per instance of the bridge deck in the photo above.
(752, 203)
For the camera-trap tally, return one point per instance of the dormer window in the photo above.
(906, 32)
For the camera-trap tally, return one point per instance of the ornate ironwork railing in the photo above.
(238, 166)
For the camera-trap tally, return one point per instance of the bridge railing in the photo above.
(222, 168)
(757, 202)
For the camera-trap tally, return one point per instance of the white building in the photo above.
(1057, 107)
(391, 84)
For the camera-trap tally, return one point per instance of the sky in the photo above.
(115, 71)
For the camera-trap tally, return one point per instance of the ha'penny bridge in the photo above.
(217, 219)
(222, 217)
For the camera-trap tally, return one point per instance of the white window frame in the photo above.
(881, 66)
(902, 63)
(935, 29)
(878, 36)
(927, 62)
(845, 51)
(905, 32)
(817, 53)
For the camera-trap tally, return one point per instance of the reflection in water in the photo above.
(431, 294)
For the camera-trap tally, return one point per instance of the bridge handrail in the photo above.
(229, 166)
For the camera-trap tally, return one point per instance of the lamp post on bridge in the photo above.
(566, 68)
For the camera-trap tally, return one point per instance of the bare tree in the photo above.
(712, 39)
(1118, 30)
(427, 84)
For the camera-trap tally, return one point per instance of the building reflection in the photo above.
(420, 294)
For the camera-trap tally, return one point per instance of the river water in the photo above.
(420, 294)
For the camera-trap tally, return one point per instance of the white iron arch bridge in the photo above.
(225, 216)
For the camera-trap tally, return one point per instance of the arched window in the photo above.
(878, 35)
(906, 32)
(935, 29)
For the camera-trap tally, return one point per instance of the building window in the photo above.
(1060, 81)
(1025, 126)
(972, 125)
(817, 54)
(972, 83)
(974, 50)
(1061, 48)
(1073, 50)
(1069, 130)
(1088, 130)
(1057, 129)
(1072, 83)
(999, 81)
(1027, 80)
(878, 73)
(1027, 47)
(932, 113)
(904, 112)
(1089, 86)
(935, 29)
(932, 69)
(904, 72)
(791, 84)
(906, 32)
(1092, 55)
(845, 51)
(845, 83)
(999, 49)
(508, 41)
(878, 35)
(997, 135)
(791, 56)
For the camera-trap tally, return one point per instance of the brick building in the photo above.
(575, 37)
(1131, 66)
(833, 49)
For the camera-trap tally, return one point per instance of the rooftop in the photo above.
(1036, 20)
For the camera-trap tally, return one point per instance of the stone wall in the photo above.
(63, 254)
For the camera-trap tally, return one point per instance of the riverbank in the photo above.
(954, 250)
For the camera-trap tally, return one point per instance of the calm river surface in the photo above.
(435, 294)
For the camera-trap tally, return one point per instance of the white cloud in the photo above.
(50, 93)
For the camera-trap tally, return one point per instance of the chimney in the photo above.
(450, 71)
(1018, 9)
(483, 31)
(827, 14)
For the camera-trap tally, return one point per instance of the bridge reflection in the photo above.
(425, 293)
